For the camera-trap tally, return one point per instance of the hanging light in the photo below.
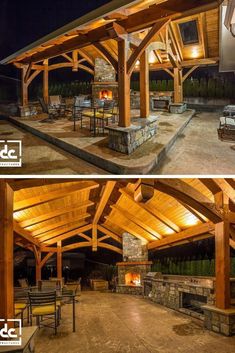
(229, 21)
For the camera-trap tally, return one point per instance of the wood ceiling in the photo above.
(95, 213)
(135, 19)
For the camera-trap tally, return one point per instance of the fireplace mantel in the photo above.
(134, 263)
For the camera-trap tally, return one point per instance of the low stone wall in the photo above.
(219, 321)
(133, 290)
(127, 140)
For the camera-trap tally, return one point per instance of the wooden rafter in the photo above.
(53, 195)
(102, 228)
(50, 215)
(110, 247)
(190, 196)
(68, 234)
(187, 234)
(54, 233)
(76, 246)
(25, 234)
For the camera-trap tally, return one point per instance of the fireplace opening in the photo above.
(105, 94)
(193, 302)
(132, 279)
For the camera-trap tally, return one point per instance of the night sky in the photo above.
(24, 21)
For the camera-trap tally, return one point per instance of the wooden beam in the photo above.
(45, 259)
(190, 71)
(94, 237)
(25, 234)
(48, 249)
(38, 268)
(53, 195)
(185, 193)
(24, 87)
(158, 27)
(110, 247)
(41, 231)
(109, 233)
(153, 211)
(137, 220)
(226, 188)
(59, 212)
(178, 85)
(59, 261)
(6, 252)
(76, 246)
(103, 200)
(135, 22)
(123, 85)
(222, 249)
(68, 234)
(88, 58)
(144, 85)
(61, 230)
(187, 234)
(19, 184)
(45, 82)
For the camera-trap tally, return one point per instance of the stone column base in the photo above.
(219, 321)
(178, 108)
(126, 140)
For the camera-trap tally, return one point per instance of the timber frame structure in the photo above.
(132, 35)
(51, 216)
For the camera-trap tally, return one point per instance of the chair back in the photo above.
(55, 101)
(23, 282)
(43, 105)
(42, 298)
(108, 106)
(48, 285)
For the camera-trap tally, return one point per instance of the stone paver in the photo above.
(42, 158)
(117, 323)
(199, 151)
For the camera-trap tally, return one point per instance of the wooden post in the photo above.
(45, 82)
(24, 88)
(123, 85)
(59, 261)
(94, 238)
(144, 85)
(222, 258)
(178, 85)
(38, 268)
(6, 252)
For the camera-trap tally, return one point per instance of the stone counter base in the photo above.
(127, 140)
(220, 321)
(133, 290)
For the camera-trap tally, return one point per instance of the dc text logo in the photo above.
(10, 153)
(10, 336)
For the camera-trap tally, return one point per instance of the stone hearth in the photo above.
(134, 267)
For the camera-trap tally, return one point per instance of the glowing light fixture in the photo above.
(195, 53)
(152, 58)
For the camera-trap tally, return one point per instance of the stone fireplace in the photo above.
(105, 85)
(134, 267)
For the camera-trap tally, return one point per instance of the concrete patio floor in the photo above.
(41, 157)
(95, 150)
(199, 151)
(116, 323)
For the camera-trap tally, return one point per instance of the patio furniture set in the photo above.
(44, 301)
(100, 112)
(226, 130)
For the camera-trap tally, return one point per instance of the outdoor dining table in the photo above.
(94, 107)
(60, 295)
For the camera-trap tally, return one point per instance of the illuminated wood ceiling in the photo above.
(135, 17)
(95, 213)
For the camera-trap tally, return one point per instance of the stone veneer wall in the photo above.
(133, 248)
(127, 140)
(104, 72)
(220, 321)
(169, 294)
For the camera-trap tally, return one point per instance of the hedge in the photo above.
(188, 266)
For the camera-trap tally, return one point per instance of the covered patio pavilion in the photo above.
(129, 36)
(133, 219)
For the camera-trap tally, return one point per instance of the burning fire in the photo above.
(132, 279)
(106, 94)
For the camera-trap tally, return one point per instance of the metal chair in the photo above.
(44, 305)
